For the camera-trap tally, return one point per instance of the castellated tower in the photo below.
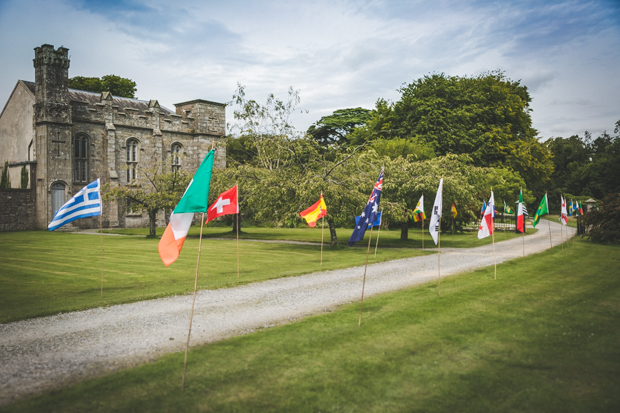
(52, 113)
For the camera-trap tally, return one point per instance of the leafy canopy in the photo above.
(116, 85)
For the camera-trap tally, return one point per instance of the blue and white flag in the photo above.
(86, 203)
(370, 213)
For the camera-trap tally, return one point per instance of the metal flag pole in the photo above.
(378, 232)
(359, 322)
(191, 316)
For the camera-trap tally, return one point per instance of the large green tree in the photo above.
(335, 128)
(486, 117)
(116, 85)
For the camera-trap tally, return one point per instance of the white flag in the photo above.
(433, 227)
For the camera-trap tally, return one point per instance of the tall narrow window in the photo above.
(80, 159)
(132, 159)
(58, 196)
(176, 156)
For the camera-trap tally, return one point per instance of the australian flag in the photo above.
(370, 213)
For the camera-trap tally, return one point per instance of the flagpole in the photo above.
(378, 233)
(359, 322)
(493, 233)
(439, 250)
(562, 226)
(548, 221)
(322, 232)
(523, 256)
(238, 213)
(101, 236)
(189, 332)
(422, 232)
(438, 256)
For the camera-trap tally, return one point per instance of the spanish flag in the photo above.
(316, 211)
(454, 213)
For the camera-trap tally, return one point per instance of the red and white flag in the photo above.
(564, 215)
(486, 224)
(225, 204)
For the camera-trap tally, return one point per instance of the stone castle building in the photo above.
(67, 138)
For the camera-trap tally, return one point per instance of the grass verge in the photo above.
(387, 238)
(543, 337)
(45, 273)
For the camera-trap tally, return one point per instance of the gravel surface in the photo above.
(52, 352)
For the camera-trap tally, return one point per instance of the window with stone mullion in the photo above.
(80, 159)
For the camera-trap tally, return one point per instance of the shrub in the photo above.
(604, 223)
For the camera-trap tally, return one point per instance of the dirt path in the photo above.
(52, 352)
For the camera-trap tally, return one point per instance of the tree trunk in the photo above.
(404, 231)
(332, 231)
(152, 222)
(234, 226)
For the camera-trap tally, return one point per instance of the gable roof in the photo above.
(92, 98)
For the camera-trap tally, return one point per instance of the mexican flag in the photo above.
(520, 217)
(195, 199)
(543, 209)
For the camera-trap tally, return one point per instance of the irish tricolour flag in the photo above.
(195, 199)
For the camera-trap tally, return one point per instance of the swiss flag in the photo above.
(225, 204)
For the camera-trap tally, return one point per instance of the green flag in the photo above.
(543, 208)
(507, 209)
(196, 197)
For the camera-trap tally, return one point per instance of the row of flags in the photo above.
(87, 203)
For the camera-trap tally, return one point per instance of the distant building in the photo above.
(68, 138)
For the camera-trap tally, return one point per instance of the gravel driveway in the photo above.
(51, 352)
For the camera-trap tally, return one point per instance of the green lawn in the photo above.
(542, 338)
(387, 238)
(46, 273)
(572, 221)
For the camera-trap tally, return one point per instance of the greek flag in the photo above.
(86, 203)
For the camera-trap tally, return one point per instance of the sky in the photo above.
(337, 54)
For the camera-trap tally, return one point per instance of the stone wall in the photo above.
(17, 209)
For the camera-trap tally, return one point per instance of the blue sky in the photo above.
(338, 54)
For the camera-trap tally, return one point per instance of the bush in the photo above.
(604, 224)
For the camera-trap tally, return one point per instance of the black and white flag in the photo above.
(436, 214)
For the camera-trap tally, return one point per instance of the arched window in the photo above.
(132, 159)
(58, 196)
(80, 159)
(175, 156)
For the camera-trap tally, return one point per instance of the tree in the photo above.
(5, 181)
(116, 85)
(24, 177)
(604, 223)
(334, 129)
(158, 191)
(486, 117)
